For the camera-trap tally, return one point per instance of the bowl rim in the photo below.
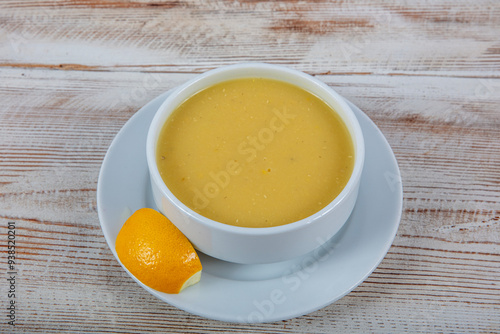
(176, 97)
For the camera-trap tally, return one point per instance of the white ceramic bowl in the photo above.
(256, 245)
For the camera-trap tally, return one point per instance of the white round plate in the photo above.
(271, 292)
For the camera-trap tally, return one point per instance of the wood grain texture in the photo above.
(426, 72)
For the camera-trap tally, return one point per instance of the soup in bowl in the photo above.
(255, 163)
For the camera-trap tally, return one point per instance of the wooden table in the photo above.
(426, 72)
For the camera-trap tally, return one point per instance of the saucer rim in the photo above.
(172, 299)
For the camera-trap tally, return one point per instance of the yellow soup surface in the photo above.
(255, 152)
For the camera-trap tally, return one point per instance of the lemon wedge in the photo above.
(156, 252)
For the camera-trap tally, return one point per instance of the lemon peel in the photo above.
(156, 252)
